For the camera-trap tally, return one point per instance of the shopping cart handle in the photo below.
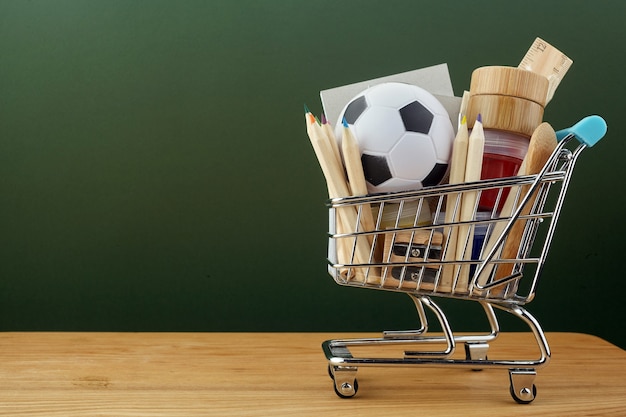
(588, 130)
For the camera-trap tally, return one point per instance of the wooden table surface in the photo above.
(284, 374)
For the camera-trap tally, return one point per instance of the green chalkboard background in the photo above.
(155, 173)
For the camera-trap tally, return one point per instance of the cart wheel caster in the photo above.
(523, 389)
(344, 380)
(525, 396)
(346, 389)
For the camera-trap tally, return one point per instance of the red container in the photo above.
(503, 156)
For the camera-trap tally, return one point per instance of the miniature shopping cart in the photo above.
(419, 244)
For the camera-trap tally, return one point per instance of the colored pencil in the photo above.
(453, 203)
(356, 178)
(338, 187)
(469, 202)
(330, 134)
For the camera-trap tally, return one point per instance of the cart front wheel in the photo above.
(525, 396)
(523, 389)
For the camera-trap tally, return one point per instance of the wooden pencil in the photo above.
(356, 178)
(337, 188)
(453, 203)
(463, 109)
(469, 200)
(331, 165)
(330, 134)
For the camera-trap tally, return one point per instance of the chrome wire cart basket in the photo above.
(420, 244)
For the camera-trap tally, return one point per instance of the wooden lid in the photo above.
(510, 81)
(511, 114)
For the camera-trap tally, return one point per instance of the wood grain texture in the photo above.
(457, 176)
(284, 374)
(465, 236)
(347, 217)
(510, 81)
(356, 177)
(508, 113)
(542, 144)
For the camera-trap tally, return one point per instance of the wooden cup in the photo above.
(507, 113)
(509, 81)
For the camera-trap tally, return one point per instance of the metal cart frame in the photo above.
(420, 266)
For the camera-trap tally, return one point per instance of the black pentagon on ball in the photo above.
(416, 117)
(375, 168)
(355, 109)
(436, 175)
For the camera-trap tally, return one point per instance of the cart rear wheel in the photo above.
(525, 396)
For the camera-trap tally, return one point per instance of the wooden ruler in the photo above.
(543, 58)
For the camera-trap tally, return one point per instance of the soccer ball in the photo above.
(404, 134)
